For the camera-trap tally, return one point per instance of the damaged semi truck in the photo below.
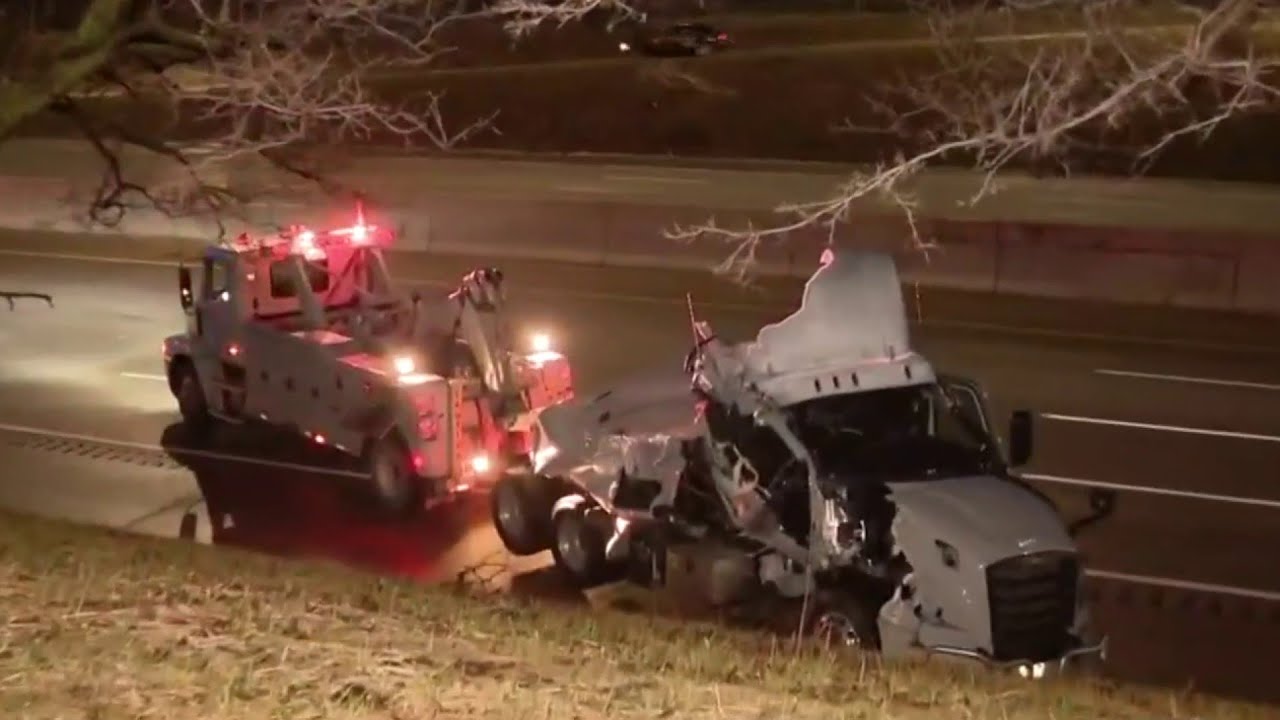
(825, 460)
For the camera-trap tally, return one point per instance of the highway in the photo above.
(86, 432)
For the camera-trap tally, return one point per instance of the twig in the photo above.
(11, 297)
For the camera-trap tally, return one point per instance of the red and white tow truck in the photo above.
(304, 330)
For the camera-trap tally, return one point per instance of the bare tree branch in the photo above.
(194, 86)
(1033, 105)
(12, 297)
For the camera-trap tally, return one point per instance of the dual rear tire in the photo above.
(531, 515)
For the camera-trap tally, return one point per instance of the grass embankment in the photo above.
(101, 626)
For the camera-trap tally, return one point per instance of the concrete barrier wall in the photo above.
(1162, 267)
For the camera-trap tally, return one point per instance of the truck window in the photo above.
(970, 404)
(216, 279)
(282, 279)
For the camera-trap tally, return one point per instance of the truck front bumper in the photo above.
(1076, 658)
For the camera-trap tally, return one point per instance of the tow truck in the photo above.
(304, 330)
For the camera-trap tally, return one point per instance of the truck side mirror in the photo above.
(1020, 438)
(184, 287)
(1102, 502)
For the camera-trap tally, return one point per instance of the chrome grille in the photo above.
(1032, 600)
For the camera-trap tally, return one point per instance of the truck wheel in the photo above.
(196, 418)
(521, 508)
(845, 620)
(580, 535)
(394, 483)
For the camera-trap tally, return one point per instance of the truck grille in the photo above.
(1033, 600)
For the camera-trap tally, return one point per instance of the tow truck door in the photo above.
(215, 336)
(214, 316)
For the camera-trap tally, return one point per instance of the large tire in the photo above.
(196, 418)
(580, 536)
(521, 508)
(394, 484)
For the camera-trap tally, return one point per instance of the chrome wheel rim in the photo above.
(838, 629)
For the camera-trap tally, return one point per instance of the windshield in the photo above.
(906, 434)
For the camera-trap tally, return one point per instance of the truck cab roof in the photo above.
(338, 265)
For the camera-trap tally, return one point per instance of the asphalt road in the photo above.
(86, 433)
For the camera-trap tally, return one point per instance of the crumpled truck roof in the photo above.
(849, 334)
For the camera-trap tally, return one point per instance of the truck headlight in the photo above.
(540, 342)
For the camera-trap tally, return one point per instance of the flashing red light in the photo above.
(418, 462)
(359, 233)
(233, 350)
(304, 243)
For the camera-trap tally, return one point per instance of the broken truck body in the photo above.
(826, 454)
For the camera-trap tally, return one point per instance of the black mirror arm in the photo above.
(1102, 503)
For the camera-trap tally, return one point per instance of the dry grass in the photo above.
(100, 626)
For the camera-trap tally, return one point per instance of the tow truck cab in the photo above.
(304, 330)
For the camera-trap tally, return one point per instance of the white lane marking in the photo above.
(586, 189)
(1163, 428)
(208, 455)
(1148, 490)
(144, 376)
(657, 179)
(1212, 588)
(1190, 379)
(90, 258)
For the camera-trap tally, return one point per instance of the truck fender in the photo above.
(373, 424)
(568, 502)
(177, 364)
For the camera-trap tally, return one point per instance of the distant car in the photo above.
(684, 38)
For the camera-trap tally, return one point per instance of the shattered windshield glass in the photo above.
(905, 434)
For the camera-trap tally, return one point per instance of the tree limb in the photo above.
(12, 297)
(1035, 105)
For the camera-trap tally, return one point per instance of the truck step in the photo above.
(232, 419)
